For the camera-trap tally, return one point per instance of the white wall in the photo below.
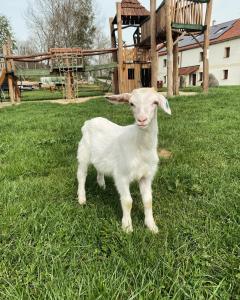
(217, 62)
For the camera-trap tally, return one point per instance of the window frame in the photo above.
(227, 52)
(131, 74)
(225, 74)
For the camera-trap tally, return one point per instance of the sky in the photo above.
(15, 10)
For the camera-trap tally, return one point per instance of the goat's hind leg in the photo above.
(83, 162)
(101, 180)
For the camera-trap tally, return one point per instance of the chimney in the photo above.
(214, 22)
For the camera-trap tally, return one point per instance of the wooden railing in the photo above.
(185, 15)
(188, 12)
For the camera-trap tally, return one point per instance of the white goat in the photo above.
(126, 153)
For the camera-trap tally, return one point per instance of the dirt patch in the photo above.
(182, 94)
(6, 104)
(164, 153)
(57, 101)
(64, 101)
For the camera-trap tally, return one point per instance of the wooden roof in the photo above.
(132, 12)
(188, 70)
(133, 8)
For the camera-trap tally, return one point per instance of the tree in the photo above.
(62, 23)
(5, 30)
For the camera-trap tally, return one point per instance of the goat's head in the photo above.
(144, 102)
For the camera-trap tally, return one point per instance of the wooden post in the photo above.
(206, 47)
(114, 57)
(175, 70)
(69, 91)
(169, 48)
(120, 48)
(9, 63)
(154, 60)
(69, 82)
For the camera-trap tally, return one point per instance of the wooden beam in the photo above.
(175, 70)
(10, 69)
(194, 37)
(114, 57)
(206, 47)
(179, 38)
(154, 60)
(120, 48)
(69, 83)
(169, 48)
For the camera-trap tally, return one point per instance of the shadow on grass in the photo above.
(108, 198)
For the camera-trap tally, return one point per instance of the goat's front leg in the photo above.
(126, 203)
(145, 185)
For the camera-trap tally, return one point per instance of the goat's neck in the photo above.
(148, 138)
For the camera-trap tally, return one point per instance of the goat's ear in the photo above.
(163, 103)
(122, 98)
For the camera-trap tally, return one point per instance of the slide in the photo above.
(2, 76)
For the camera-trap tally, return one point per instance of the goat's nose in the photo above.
(142, 120)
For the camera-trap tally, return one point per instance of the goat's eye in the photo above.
(132, 104)
(155, 103)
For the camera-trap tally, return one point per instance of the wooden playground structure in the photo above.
(134, 65)
(162, 27)
(67, 63)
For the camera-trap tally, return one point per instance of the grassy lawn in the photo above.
(38, 95)
(51, 248)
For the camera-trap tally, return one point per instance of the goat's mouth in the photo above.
(142, 125)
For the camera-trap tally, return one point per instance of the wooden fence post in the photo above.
(114, 57)
(169, 49)
(175, 70)
(120, 47)
(154, 59)
(206, 47)
(10, 69)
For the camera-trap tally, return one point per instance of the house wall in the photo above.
(217, 63)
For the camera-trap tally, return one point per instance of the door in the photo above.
(146, 77)
(194, 79)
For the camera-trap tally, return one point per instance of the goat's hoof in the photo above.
(127, 228)
(82, 201)
(152, 227)
(102, 186)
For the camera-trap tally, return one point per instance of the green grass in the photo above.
(38, 95)
(51, 248)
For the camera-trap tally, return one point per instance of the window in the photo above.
(201, 56)
(227, 52)
(220, 30)
(225, 74)
(165, 63)
(200, 76)
(131, 74)
(165, 79)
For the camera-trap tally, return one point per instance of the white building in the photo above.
(224, 56)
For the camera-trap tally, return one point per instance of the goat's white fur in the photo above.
(126, 153)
